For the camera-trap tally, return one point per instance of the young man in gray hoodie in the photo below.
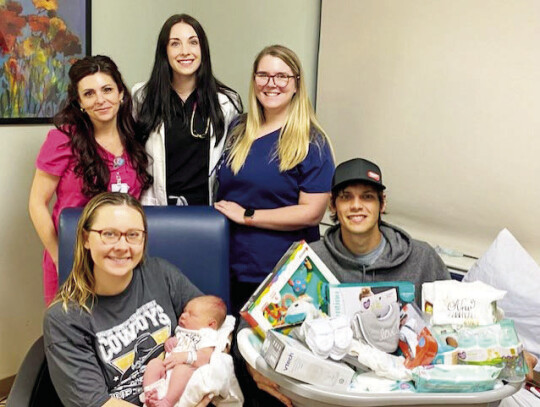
(363, 248)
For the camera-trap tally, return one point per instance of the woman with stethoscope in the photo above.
(183, 114)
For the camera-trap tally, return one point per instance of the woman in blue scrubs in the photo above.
(274, 184)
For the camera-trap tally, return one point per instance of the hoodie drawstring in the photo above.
(363, 272)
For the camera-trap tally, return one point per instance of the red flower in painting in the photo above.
(35, 49)
(11, 25)
(39, 23)
(3, 44)
(13, 67)
(14, 6)
(66, 43)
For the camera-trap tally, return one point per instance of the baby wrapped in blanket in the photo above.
(195, 364)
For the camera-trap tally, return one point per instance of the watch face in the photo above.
(249, 213)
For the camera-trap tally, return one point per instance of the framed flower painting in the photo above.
(39, 41)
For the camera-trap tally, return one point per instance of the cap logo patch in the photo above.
(374, 176)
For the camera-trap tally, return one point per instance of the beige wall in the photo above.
(237, 30)
(127, 31)
(445, 96)
(21, 299)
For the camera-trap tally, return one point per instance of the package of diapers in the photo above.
(452, 302)
(493, 345)
(370, 382)
(454, 378)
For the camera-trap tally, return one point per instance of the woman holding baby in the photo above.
(115, 310)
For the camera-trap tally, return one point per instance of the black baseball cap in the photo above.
(357, 170)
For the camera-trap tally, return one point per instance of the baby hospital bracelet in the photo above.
(191, 357)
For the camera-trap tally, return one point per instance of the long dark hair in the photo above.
(158, 98)
(76, 124)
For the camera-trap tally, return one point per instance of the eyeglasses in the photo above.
(112, 236)
(281, 79)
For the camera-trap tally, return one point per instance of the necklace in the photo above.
(118, 162)
(193, 133)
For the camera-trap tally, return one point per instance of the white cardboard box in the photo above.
(290, 357)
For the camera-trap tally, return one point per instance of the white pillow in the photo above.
(507, 266)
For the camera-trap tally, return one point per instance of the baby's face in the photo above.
(195, 315)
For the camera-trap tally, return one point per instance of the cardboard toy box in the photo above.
(290, 357)
(348, 298)
(299, 280)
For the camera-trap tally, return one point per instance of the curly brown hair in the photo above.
(73, 122)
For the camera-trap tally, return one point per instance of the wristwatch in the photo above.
(249, 213)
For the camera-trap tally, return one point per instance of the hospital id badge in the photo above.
(120, 187)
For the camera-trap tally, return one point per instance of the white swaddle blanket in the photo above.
(216, 377)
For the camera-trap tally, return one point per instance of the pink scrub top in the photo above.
(56, 158)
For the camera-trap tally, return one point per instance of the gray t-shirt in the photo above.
(369, 258)
(95, 356)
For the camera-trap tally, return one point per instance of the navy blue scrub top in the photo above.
(260, 185)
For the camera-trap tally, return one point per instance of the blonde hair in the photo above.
(301, 125)
(79, 287)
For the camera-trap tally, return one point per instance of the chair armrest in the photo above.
(33, 386)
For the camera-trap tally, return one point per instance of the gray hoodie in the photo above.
(403, 259)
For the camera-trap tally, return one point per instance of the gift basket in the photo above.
(360, 344)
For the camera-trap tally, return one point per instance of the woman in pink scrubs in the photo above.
(91, 150)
